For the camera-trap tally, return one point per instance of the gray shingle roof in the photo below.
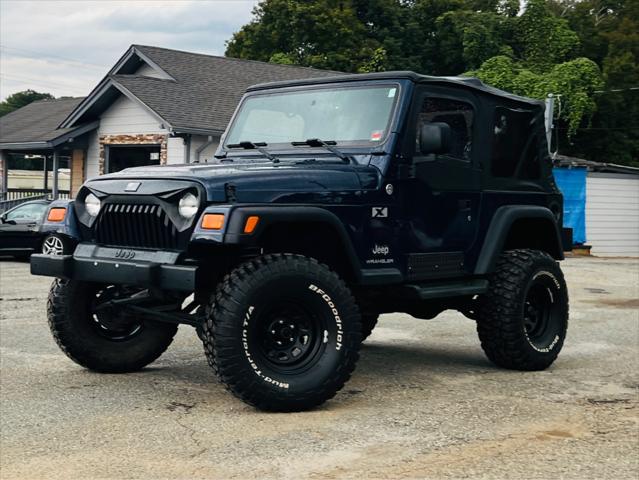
(201, 95)
(37, 122)
(207, 88)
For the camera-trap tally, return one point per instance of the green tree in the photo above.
(323, 34)
(609, 32)
(20, 99)
(542, 39)
(541, 65)
(575, 81)
(469, 38)
(583, 50)
(347, 35)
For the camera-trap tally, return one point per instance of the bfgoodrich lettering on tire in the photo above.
(283, 333)
(523, 317)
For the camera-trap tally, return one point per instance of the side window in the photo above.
(457, 114)
(28, 212)
(512, 143)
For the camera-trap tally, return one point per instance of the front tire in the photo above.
(103, 342)
(523, 318)
(283, 333)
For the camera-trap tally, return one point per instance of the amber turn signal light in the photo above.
(251, 223)
(57, 214)
(213, 221)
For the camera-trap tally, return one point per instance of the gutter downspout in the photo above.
(187, 149)
(201, 148)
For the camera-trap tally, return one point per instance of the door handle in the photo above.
(464, 206)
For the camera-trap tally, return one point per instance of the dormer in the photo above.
(134, 62)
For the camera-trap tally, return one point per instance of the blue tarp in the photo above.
(572, 183)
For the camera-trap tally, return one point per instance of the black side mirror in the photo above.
(434, 138)
(3, 218)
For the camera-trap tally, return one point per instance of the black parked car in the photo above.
(20, 234)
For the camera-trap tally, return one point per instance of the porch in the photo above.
(38, 159)
(32, 175)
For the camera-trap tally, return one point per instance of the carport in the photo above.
(33, 151)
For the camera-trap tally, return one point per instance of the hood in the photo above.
(260, 181)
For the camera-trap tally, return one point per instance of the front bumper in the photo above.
(93, 265)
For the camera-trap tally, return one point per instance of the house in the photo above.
(601, 204)
(155, 106)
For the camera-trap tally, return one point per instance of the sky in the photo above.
(66, 47)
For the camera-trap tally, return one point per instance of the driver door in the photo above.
(443, 195)
(19, 228)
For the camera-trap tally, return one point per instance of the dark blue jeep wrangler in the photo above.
(330, 202)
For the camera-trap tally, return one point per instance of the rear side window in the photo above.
(458, 115)
(512, 143)
(530, 167)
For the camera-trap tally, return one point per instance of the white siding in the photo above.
(175, 150)
(123, 117)
(612, 214)
(126, 117)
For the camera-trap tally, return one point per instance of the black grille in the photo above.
(146, 226)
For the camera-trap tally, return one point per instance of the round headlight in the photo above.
(92, 204)
(188, 205)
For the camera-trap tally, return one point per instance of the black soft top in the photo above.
(466, 82)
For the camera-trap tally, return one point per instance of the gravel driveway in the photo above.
(423, 403)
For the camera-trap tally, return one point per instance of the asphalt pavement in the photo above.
(424, 402)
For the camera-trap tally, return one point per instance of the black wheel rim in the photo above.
(288, 337)
(541, 313)
(113, 323)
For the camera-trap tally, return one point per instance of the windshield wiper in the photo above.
(256, 146)
(328, 145)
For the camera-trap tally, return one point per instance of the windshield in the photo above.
(346, 115)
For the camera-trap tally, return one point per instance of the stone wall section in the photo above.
(144, 139)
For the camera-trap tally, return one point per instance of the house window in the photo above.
(127, 156)
(458, 115)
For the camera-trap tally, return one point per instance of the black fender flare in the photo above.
(287, 214)
(500, 225)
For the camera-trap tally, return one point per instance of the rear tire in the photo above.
(283, 333)
(82, 336)
(523, 318)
